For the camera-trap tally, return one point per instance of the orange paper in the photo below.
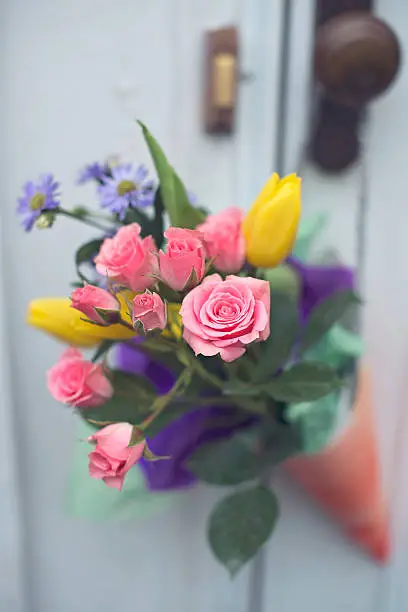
(345, 480)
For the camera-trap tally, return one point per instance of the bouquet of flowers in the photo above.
(219, 352)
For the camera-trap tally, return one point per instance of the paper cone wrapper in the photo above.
(345, 480)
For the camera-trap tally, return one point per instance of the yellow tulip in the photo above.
(56, 317)
(271, 225)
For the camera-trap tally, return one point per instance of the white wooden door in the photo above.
(74, 76)
(309, 565)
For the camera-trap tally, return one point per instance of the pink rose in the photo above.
(224, 240)
(150, 310)
(184, 254)
(129, 259)
(112, 457)
(78, 382)
(225, 316)
(96, 304)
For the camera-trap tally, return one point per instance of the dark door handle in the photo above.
(357, 57)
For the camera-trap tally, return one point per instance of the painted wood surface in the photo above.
(76, 75)
(386, 321)
(310, 564)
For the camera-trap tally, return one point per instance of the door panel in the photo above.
(11, 533)
(309, 565)
(76, 76)
(385, 288)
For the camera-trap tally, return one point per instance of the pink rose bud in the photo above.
(223, 239)
(129, 259)
(112, 456)
(150, 310)
(78, 382)
(97, 304)
(225, 316)
(183, 263)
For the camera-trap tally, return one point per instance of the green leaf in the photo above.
(85, 254)
(131, 383)
(164, 358)
(303, 382)
(242, 370)
(136, 437)
(188, 216)
(316, 421)
(167, 294)
(157, 223)
(227, 462)
(327, 257)
(131, 401)
(246, 396)
(280, 441)
(239, 388)
(135, 215)
(337, 348)
(242, 374)
(346, 342)
(174, 194)
(156, 344)
(102, 349)
(240, 524)
(244, 456)
(150, 226)
(284, 323)
(149, 455)
(326, 313)
(309, 230)
(283, 279)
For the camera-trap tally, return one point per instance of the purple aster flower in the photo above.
(92, 172)
(37, 198)
(128, 187)
(192, 198)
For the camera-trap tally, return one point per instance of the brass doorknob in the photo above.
(357, 56)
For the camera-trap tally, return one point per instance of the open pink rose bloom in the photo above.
(223, 317)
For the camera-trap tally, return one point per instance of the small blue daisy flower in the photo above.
(37, 198)
(192, 198)
(127, 187)
(92, 172)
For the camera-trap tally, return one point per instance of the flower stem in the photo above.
(94, 224)
(102, 216)
(99, 423)
(126, 324)
(215, 401)
(207, 376)
(163, 400)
